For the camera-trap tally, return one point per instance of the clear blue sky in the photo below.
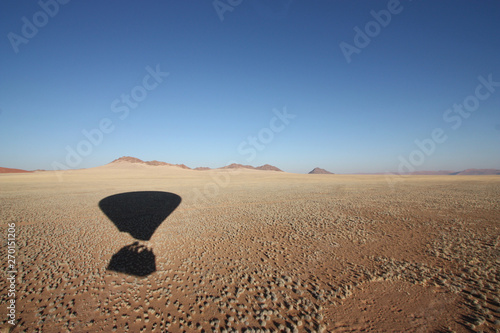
(227, 76)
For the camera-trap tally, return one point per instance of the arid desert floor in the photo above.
(253, 251)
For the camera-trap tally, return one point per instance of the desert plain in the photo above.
(254, 251)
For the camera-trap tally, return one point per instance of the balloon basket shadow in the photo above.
(134, 259)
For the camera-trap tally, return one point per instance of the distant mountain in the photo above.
(156, 163)
(268, 167)
(129, 159)
(467, 172)
(440, 172)
(237, 166)
(265, 167)
(9, 170)
(479, 172)
(319, 171)
(202, 168)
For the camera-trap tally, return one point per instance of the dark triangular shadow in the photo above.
(139, 214)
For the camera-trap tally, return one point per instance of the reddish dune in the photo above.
(9, 170)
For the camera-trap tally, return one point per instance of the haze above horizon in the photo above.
(371, 86)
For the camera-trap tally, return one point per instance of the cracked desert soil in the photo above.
(263, 252)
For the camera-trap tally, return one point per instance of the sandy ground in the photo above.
(253, 251)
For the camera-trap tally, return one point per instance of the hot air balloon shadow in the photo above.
(139, 214)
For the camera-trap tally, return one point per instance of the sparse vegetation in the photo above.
(272, 252)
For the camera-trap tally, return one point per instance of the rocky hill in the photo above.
(129, 159)
(265, 167)
(319, 171)
(268, 167)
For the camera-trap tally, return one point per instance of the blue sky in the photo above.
(228, 79)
